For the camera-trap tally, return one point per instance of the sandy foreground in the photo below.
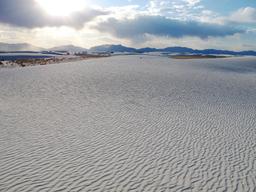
(129, 123)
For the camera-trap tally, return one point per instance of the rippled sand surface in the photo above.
(129, 123)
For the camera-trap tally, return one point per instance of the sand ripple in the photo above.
(129, 124)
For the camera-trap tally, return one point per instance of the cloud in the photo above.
(28, 14)
(178, 9)
(192, 2)
(244, 15)
(141, 26)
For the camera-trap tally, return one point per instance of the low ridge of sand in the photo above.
(129, 123)
(46, 61)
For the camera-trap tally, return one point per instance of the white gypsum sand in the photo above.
(129, 123)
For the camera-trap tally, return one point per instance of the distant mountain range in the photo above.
(170, 50)
(122, 49)
(112, 48)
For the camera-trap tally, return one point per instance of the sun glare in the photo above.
(61, 7)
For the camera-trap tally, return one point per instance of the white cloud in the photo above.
(176, 9)
(192, 2)
(244, 15)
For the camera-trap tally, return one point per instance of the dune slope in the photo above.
(129, 123)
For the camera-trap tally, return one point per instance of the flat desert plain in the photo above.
(129, 123)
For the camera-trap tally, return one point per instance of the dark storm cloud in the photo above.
(27, 13)
(162, 26)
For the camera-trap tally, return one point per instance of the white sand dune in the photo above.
(128, 123)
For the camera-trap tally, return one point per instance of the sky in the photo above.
(199, 24)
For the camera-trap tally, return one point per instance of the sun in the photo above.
(61, 7)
